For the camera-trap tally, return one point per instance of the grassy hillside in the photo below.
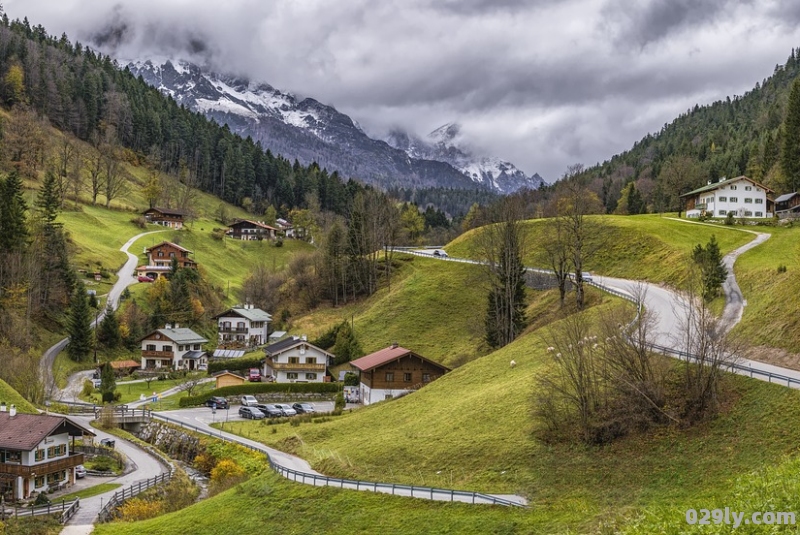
(11, 396)
(645, 247)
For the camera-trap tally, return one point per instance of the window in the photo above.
(426, 378)
(166, 348)
(723, 212)
(723, 199)
(294, 360)
(748, 188)
(13, 457)
(311, 376)
(759, 214)
(38, 482)
(39, 455)
(172, 255)
(759, 201)
(151, 347)
(407, 377)
(291, 375)
(160, 254)
(748, 200)
(733, 187)
(748, 214)
(180, 348)
(389, 377)
(311, 360)
(56, 451)
(197, 346)
(240, 326)
(388, 396)
(734, 199)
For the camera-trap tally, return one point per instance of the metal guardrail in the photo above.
(65, 510)
(320, 480)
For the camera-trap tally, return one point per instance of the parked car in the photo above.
(270, 410)
(439, 252)
(145, 278)
(80, 471)
(303, 408)
(96, 383)
(254, 376)
(286, 409)
(218, 402)
(249, 401)
(108, 443)
(251, 413)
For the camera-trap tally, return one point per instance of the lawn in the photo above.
(9, 396)
(88, 492)
(132, 391)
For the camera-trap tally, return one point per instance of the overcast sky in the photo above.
(542, 83)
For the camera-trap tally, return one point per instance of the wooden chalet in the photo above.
(159, 259)
(166, 217)
(245, 229)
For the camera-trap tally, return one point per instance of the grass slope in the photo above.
(10, 396)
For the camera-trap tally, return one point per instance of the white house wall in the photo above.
(719, 201)
(374, 395)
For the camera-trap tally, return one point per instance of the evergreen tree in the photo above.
(108, 331)
(790, 153)
(79, 325)
(108, 383)
(347, 346)
(712, 270)
(13, 221)
(48, 201)
(505, 317)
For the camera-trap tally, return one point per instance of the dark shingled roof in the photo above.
(24, 431)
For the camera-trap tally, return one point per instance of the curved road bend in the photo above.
(146, 466)
(201, 419)
(125, 278)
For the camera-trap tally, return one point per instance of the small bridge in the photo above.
(122, 416)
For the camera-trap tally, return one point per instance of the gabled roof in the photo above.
(165, 211)
(785, 197)
(226, 372)
(252, 314)
(387, 355)
(175, 245)
(24, 431)
(180, 335)
(259, 224)
(277, 348)
(725, 182)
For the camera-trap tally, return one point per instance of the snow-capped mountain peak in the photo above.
(446, 144)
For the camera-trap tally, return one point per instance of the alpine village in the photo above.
(202, 335)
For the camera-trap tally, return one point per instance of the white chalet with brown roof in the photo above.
(35, 453)
(244, 326)
(394, 371)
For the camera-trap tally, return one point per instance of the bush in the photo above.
(244, 363)
(225, 475)
(140, 222)
(729, 219)
(279, 242)
(88, 388)
(339, 405)
(41, 499)
(782, 268)
(138, 509)
(260, 388)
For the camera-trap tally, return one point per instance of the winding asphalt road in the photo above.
(125, 278)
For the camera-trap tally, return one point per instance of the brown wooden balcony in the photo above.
(240, 330)
(64, 463)
(158, 354)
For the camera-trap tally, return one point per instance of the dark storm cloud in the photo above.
(543, 83)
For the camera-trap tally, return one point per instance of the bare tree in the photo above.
(115, 180)
(192, 381)
(65, 157)
(557, 248)
(75, 177)
(95, 169)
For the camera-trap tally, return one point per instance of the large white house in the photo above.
(742, 196)
(294, 360)
(35, 452)
(173, 347)
(245, 325)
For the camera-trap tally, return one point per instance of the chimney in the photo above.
(394, 345)
(177, 326)
(304, 338)
(12, 411)
(3, 406)
(168, 326)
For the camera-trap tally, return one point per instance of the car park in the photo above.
(249, 401)
(217, 402)
(145, 278)
(80, 471)
(251, 413)
(303, 408)
(286, 409)
(270, 410)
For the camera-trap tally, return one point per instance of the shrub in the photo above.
(205, 462)
(782, 268)
(41, 499)
(139, 509)
(279, 242)
(140, 222)
(729, 219)
(88, 388)
(225, 475)
(339, 404)
(218, 234)
(234, 364)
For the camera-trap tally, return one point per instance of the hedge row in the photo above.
(260, 388)
(244, 363)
